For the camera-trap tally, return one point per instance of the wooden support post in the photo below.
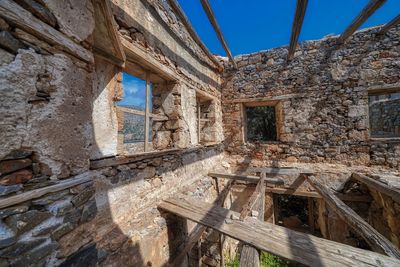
(296, 28)
(390, 24)
(311, 222)
(147, 114)
(368, 10)
(295, 246)
(199, 229)
(211, 17)
(250, 257)
(378, 242)
(394, 193)
(253, 198)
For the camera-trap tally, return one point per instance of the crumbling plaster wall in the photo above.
(323, 93)
(58, 114)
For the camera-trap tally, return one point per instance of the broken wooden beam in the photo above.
(296, 28)
(199, 229)
(250, 256)
(273, 171)
(313, 194)
(367, 11)
(383, 188)
(23, 19)
(378, 242)
(391, 24)
(36, 193)
(211, 17)
(260, 188)
(246, 178)
(300, 247)
(185, 21)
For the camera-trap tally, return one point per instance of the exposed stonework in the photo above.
(323, 93)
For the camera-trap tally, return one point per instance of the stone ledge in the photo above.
(119, 160)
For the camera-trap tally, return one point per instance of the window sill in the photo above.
(266, 143)
(385, 139)
(126, 159)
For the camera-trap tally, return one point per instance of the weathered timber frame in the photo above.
(378, 242)
(367, 11)
(211, 17)
(303, 248)
(390, 25)
(301, 8)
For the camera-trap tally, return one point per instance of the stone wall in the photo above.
(58, 113)
(323, 97)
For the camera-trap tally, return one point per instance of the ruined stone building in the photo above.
(294, 151)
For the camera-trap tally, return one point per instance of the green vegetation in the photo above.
(267, 260)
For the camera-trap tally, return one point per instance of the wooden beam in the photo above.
(280, 171)
(211, 17)
(378, 242)
(290, 191)
(389, 25)
(394, 193)
(300, 247)
(155, 117)
(185, 21)
(260, 188)
(64, 184)
(107, 42)
(301, 8)
(23, 19)
(368, 10)
(246, 178)
(147, 114)
(250, 256)
(199, 229)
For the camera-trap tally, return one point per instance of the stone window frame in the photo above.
(149, 77)
(380, 90)
(278, 105)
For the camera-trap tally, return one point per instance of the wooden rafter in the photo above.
(296, 28)
(394, 22)
(368, 10)
(199, 229)
(378, 242)
(300, 247)
(394, 193)
(185, 21)
(250, 256)
(246, 178)
(211, 17)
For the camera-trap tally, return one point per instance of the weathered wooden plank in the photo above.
(211, 17)
(296, 28)
(185, 21)
(246, 178)
(23, 19)
(290, 191)
(378, 242)
(107, 42)
(250, 256)
(280, 171)
(260, 188)
(367, 11)
(199, 229)
(394, 193)
(286, 243)
(13, 200)
(390, 24)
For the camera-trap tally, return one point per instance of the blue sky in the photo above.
(253, 25)
(134, 92)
